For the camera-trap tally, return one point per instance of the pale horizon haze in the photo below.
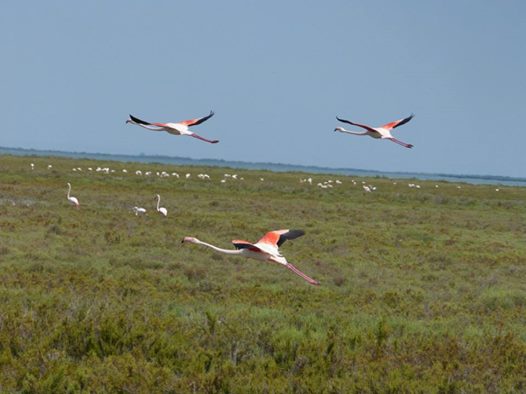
(276, 75)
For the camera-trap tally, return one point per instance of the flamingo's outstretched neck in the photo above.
(220, 250)
(299, 273)
(342, 130)
(69, 189)
(158, 201)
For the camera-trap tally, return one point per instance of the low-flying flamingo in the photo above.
(162, 210)
(383, 132)
(179, 128)
(71, 199)
(265, 249)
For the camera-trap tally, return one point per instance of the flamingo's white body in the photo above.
(73, 200)
(266, 249)
(179, 128)
(383, 132)
(139, 211)
(162, 210)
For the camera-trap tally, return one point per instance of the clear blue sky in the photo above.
(276, 73)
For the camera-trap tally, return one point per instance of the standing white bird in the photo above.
(179, 128)
(266, 249)
(73, 200)
(162, 210)
(383, 132)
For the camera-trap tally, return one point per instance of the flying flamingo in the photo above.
(180, 128)
(383, 132)
(163, 211)
(71, 199)
(265, 249)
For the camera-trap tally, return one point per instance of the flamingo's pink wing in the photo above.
(271, 238)
(278, 237)
(397, 123)
(196, 121)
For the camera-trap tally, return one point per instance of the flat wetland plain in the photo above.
(422, 289)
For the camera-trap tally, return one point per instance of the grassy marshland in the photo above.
(422, 290)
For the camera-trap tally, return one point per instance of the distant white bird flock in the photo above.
(267, 248)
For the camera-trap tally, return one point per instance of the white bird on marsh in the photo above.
(139, 211)
(162, 210)
(72, 200)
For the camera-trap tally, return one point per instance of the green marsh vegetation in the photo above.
(422, 290)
